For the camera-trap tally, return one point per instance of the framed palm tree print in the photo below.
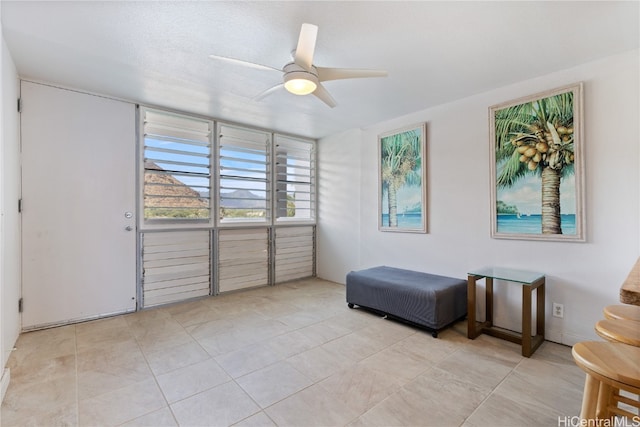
(402, 180)
(537, 163)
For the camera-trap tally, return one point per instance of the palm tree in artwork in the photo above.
(537, 137)
(401, 163)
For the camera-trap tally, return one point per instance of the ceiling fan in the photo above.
(301, 77)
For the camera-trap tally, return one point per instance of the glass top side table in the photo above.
(529, 281)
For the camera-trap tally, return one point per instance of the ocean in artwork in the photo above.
(413, 220)
(532, 224)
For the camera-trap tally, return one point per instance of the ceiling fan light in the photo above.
(300, 86)
(300, 82)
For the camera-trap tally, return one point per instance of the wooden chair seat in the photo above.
(609, 366)
(624, 331)
(622, 312)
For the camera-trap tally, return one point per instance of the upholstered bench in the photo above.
(427, 300)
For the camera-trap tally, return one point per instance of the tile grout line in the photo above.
(318, 382)
(432, 366)
(313, 383)
(338, 322)
(233, 379)
(155, 379)
(482, 402)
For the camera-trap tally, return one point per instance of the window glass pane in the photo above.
(295, 179)
(177, 156)
(177, 167)
(243, 161)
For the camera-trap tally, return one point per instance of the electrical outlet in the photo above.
(558, 310)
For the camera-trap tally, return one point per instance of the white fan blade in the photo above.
(244, 63)
(325, 74)
(324, 96)
(306, 46)
(268, 92)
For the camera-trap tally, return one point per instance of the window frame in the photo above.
(283, 220)
(214, 220)
(243, 222)
(172, 223)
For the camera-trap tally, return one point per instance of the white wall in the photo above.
(339, 185)
(582, 276)
(10, 220)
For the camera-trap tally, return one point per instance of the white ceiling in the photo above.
(157, 53)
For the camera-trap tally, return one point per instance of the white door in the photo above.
(78, 218)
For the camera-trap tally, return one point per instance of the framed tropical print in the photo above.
(402, 180)
(537, 163)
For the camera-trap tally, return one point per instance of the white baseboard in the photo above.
(553, 335)
(571, 339)
(557, 336)
(4, 383)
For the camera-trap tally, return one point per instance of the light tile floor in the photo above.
(289, 355)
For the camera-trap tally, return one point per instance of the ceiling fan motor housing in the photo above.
(298, 80)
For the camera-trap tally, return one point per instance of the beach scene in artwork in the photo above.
(535, 160)
(409, 213)
(519, 208)
(401, 179)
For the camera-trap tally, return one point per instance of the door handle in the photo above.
(128, 228)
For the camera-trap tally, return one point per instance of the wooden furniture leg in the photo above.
(471, 307)
(540, 300)
(605, 393)
(488, 283)
(589, 398)
(526, 321)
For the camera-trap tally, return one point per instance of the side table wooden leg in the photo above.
(526, 321)
(540, 301)
(471, 307)
(488, 283)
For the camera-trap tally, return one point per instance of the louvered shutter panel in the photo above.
(176, 266)
(243, 181)
(243, 258)
(294, 253)
(177, 167)
(295, 179)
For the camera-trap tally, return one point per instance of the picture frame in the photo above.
(537, 167)
(402, 180)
